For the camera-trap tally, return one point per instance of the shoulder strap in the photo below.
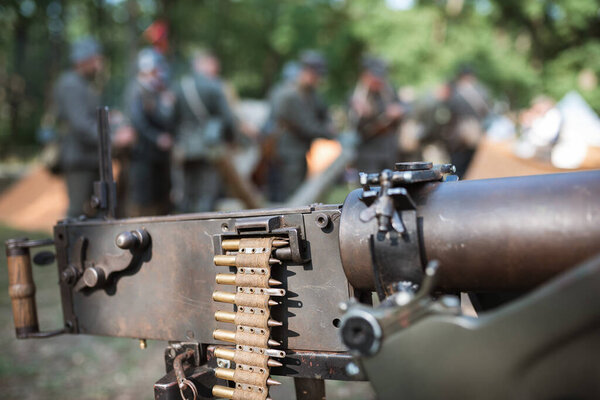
(191, 96)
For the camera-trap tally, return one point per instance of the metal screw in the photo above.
(343, 306)
(68, 275)
(352, 369)
(143, 344)
(322, 220)
(95, 202)
(403, 298)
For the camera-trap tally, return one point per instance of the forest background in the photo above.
(519, 48)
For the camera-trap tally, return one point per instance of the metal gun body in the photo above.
(166, 292)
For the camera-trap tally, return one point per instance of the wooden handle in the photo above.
(21, 290)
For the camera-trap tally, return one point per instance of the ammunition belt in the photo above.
(252, 354)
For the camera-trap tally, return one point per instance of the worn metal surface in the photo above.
(509, 233)
(495, 234)
(167, 294)
(309, 389)
(310, 364)
(543, 346)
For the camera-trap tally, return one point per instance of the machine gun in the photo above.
(243, 297)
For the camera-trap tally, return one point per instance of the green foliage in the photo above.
(520, 48)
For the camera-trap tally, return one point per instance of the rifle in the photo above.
(245, 296)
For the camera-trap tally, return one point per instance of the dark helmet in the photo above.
(314, 59)
(376, 66)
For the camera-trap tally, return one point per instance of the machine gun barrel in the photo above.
(507, 234)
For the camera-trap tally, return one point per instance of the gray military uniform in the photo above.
(468, 105)
(202, 183)
(379, 143)
(76, 103)
(301, 117)
(149, 174)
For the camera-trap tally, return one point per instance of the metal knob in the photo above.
(93, 277)
(128, 240)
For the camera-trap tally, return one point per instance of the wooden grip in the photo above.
(21, 290)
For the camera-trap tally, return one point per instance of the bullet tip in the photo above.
(274, 363)
(273, 303)
(272, 322)
(274, 282)
(273, 382)
(273, 343)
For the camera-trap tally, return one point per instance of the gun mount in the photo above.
(415, 235)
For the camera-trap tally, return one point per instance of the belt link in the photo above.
(251, 340)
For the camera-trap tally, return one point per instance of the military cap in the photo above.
(84, 49)
(149, 59)
(375, 66)
(314, 59)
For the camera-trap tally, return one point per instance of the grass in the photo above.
(87, 367)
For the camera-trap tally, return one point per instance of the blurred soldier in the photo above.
(468, 104)
(204, 124)
(301, 116)
(150, 108)
(375, 111)
(266, 174)
(76, 102)
(209, 66)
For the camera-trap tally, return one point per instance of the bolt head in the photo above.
(352, 369)
(93, 277)
(95, 202)
(403, 298)
(322, 220)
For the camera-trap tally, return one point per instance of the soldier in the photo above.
(204, 124)
(150, 107)
(301, 116)
(266, 174)
(375, 111)
(76, 102)
(468, 104)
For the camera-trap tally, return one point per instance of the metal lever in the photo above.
(383, 208)
(105, 190)
(363, 328)
(96, 274)
(391, 198)
(130, 240)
